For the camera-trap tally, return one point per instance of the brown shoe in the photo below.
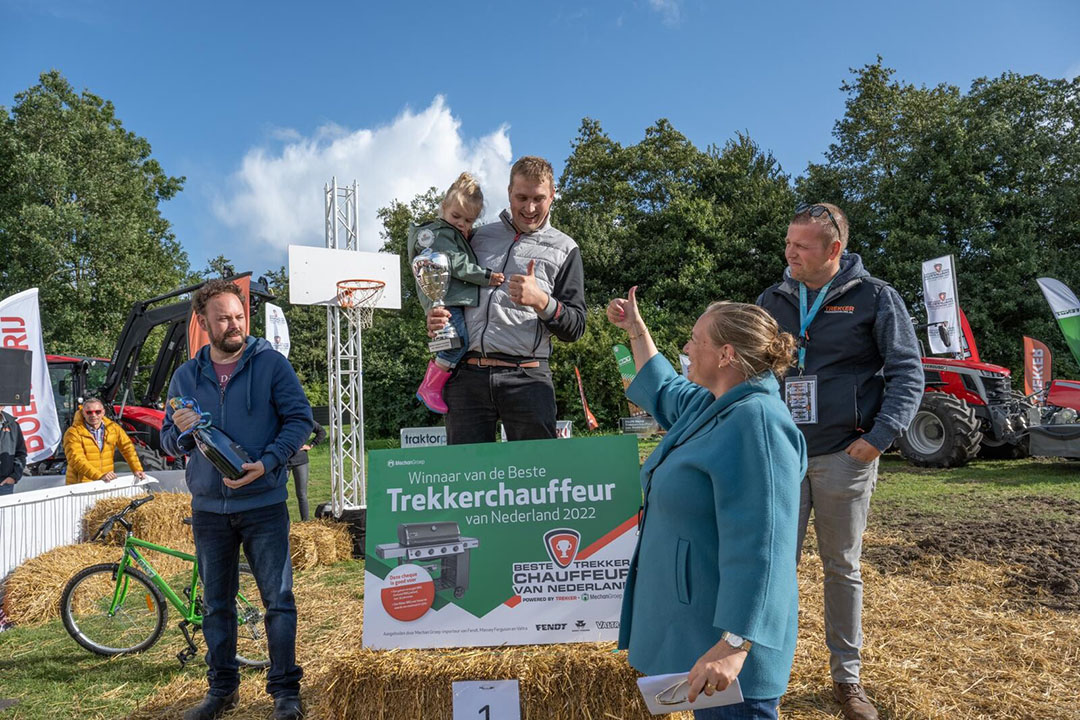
(853, 701)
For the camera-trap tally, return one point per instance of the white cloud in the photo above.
(670, 11)
(276, 197)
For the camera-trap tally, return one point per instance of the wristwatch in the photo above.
(736, 641)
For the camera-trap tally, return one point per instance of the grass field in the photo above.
(920, 519)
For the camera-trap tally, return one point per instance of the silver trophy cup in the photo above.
(432, 272)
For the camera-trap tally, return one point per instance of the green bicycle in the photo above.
(118, 608)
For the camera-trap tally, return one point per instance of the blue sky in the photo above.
(259, 104)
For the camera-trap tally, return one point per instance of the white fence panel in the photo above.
(39, 520)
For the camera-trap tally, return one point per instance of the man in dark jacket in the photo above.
(12, 453)
(855, 386)
(252, 395)
(505, 374)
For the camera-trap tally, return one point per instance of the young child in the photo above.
(450, 235)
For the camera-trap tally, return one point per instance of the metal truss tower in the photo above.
(344, 363)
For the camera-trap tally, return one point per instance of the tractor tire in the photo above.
(945, 433)
(151, 460)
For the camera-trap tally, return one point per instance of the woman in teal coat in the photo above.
(712, 587)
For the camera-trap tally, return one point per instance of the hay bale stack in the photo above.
(319, 542)
(32, 591)
(160, 522)
(558, 682)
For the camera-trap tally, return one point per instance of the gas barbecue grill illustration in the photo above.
(426, 543)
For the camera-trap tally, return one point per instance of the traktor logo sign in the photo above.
(562, 545)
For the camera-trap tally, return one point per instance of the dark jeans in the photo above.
(7, 489)
(477, 397)
(746, 710)
(300, 481)
(264, 535)
(457, 320)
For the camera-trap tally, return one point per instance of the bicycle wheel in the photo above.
(134, 626)
(251, 647)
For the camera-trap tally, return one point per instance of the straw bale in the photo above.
(305, 553)
(557, 682)
(32, 591)
(319, 542)
(332, 538)
(160, 522)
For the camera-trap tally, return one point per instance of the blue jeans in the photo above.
(746, 710)
(264, 535)
(457, 320)
(7, 489)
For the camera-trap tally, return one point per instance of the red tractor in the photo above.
(152, 344)
(968, 407)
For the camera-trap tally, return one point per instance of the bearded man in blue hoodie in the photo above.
(253, 395)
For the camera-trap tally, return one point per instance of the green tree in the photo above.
(991, 176)
(688, 226)
(79, 215)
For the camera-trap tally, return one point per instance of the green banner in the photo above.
(499, 543)
(1066, 309)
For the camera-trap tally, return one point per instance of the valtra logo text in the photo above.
(562, 545)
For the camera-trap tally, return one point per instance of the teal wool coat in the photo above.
(717, 544)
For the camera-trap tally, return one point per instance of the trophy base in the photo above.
(440, 344)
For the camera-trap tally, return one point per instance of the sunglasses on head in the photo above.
(816, 211)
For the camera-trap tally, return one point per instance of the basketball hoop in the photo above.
(360, 295)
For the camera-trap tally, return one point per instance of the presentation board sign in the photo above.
(499, 543)
(423, 436)
(436, 434)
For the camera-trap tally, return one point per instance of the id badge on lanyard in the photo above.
(800, 394)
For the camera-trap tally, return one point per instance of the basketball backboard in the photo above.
(314, 273)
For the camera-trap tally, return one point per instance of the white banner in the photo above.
(277, 329)
(20, 327)
(942, 304)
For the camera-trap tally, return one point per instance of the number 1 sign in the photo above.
(487, 700)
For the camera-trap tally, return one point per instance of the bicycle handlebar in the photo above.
(106, 527)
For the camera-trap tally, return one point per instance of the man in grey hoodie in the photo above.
(505, 375)
(855, 387)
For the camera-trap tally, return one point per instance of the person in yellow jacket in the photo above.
(91, 443)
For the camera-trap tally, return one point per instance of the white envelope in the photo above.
(651, 685)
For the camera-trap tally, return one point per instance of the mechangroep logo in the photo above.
(562, 545)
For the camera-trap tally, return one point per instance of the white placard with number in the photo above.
(487, 700)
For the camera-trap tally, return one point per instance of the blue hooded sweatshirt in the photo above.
(263, 408)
